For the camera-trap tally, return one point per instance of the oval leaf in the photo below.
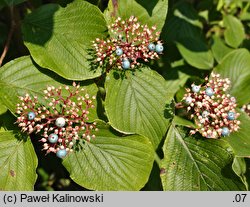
(110, 162)
(21, 76)
(150, 12)
(236, 67)
(191, 164)
(234, 33)
(18, 162)
(138, 103)
(60, 38)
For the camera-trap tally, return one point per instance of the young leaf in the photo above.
(234, 33)
(235, 66)
(150, 12)
(21, 76)
(111, 162)
(18, 162)
(191, 164)
(139, 103)
(60, 38)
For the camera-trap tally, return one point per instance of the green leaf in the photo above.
(234, 33)
(179, 121)
(3, 108)
(196, 53)
(18, 162)
(150, 12)
(219, 49)
(138, 103)
(203, 164)
(60, 38)
(240, 141)
(21, 76)
(111, 162)
(239, 167)
(235, 66)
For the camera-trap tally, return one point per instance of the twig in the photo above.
(7, 44)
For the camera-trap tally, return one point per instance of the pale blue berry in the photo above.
(230, 115)
(31, 115)
(209, 91)
(196, 88)
(61, 153)
(225, 131)
(119, 51)
(125, 64)
(159, 48)
(60, 122)
(151, 46)
(53, 138)
(205, 114)
(188, 100)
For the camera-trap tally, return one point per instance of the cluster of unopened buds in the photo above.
(212, 108)
(246, 109)
(129, 42)
(62, 121)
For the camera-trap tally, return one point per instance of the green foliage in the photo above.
(240, 141)
(202, 164)
(152, 12)
(18, 162)
(139, 111)
(64, 39)
(139, 103)
(22, 76)
(234, 33)
(235, 66)
(111, 162)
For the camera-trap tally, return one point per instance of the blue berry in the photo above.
(60, 122)
(225, 131)
(125, 64)
(230, 115)
(209, 91)
(119, 51)
(61, 153)
(205, 114)
(159, 48)
(196, 88)
(53, 138)
(188, 100)
(31, 115)
(151, 46)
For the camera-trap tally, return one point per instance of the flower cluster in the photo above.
(62, 121)
(246, 109)
(129, 42)
(212, 108)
